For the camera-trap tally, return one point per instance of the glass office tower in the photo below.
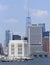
(8, 36)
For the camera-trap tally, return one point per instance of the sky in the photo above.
(13, 15)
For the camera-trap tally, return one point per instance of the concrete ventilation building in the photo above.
(18, 49)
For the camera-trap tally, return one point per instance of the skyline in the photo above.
(13, 15)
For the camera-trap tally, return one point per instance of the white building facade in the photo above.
(18, 49)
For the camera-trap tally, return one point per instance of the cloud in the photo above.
(11, 20)
(3, 7)
(39, 13)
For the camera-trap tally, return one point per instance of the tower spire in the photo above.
(28, 18)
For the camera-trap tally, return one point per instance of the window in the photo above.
(19, 50)
(12, 49)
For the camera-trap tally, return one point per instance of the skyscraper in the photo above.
(35, 38)
(28, 23)
(43, 26)
(8, 36)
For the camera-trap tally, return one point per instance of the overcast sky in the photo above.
(13, 15)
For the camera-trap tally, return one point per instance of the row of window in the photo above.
(19, 49)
